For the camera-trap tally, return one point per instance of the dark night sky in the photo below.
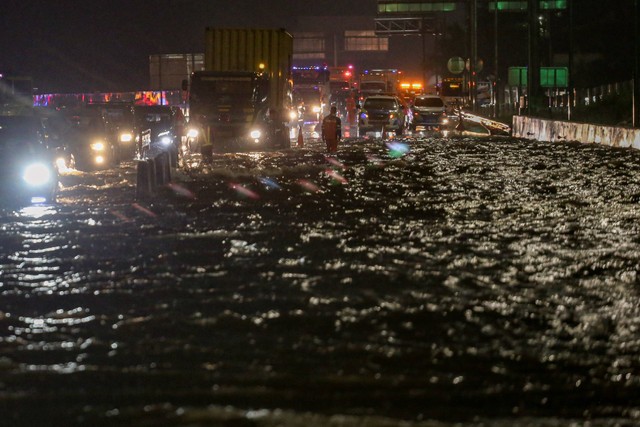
(82, 45)
(85, 45)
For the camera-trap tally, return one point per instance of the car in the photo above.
(120, 123)
(160, 126)
(28, 171)
(88, 143)
(429, 113)
(382, 113)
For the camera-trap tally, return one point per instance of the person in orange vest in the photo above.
(332, 130)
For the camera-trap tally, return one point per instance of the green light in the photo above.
(512, 5)
(416, 7)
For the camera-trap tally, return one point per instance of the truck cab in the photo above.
(230, 110)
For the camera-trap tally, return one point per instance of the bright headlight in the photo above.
(126, 137)
(97, 146)
(255, 134)
(192, 133)
(37, 174)
(61, 163)
(293, 115)
(165, 140)
(316, 109)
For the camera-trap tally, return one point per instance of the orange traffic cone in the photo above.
(300, 139)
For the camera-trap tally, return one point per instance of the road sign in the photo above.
(517, 76)
(549, 76)
(455, 65)
(554, 76)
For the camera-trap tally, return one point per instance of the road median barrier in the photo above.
(153, 172)
(563, 131)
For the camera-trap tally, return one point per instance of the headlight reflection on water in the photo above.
(37, 211)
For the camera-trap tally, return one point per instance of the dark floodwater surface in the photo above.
(432, 281)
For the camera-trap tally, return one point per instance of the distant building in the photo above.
(167, 71)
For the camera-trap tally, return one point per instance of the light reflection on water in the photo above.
(460, 281)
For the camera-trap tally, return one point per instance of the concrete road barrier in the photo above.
(153, 172)
(562, 131)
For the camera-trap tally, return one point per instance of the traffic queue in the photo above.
(227, 111)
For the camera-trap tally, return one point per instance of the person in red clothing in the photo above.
(332, 130)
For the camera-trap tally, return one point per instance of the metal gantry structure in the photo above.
(419, 17)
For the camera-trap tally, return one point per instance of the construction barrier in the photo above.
(562, 131)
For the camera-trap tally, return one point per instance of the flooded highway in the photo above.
(421, 281)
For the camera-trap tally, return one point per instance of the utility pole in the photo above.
(636, 72)
(473, 78)
(533, 83)
(496, 98)
(570, 95)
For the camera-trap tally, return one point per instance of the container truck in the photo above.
(241, 100)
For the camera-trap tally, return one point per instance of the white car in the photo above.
(429, 112)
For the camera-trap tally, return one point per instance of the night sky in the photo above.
(84, 45)
(102, 45)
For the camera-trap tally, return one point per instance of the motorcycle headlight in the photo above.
(255, 134)
(37, 174)
(126, 137)
(193, 133)
(293, 115)
(316, 109)
(97, 146)
(165, 140)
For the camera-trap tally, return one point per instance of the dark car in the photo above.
(87, 142)
(120, 124)
(382, 113)
(159, 127)
(27, 166)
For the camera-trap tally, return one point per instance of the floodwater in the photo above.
(417, 282)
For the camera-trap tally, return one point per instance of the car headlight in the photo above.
(97, 146)
(37, 174)
(316, 109)
(255, 134)
(126, 137)
(193, 133)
